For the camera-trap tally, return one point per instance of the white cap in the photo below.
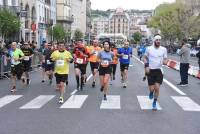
(157, 37)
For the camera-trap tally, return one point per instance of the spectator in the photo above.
(184, 62)
(198, 56)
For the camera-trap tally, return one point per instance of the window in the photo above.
(13, 2)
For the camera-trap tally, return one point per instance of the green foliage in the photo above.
(58, 32)
(78, 34)
(137, 36)
(175, 21)
(9, 23)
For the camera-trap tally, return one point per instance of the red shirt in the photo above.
(80, 55)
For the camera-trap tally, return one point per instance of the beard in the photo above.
(157, 45)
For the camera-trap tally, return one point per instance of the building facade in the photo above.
(119, 22)
(64, 14)
(80, 16)
(100, 25)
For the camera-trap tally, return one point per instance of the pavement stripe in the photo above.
(174, 87)
(146, 103)
(75, 101)
(186, 103)
(38, 102)
(8, 99)
(112, 102)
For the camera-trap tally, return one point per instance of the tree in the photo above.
(58, 31)
(78, 34)
(175, 21)
(137, 36)
(9, 23)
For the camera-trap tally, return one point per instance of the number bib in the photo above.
(105, 63)
(60, 63)
(26, 58)
(79, 61)
(125, 57)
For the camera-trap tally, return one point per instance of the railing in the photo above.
(5, 64)
(65, 18)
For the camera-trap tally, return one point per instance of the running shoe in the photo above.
(28, 81)
(13, 89)
(154, 106)
(93, 84)
(50, 81)
(151, 95)
(61, 100)
(105, 98)
(101, 89)
(23, 81)
(43, 81)
(124, 85)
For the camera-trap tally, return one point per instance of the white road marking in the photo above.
(166, 81)
(8, 99)
(112, 102)
(75, 101)
(38, 102)
(74, 92)
(186, 103)
(174, 87)
(146, 103)
(89, 77)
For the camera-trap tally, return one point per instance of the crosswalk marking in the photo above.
(186, 103)
(8, 99)
(38, 102)
(146, 103)
(75, 101)
(112, 102)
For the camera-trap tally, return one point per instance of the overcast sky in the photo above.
(127, 4)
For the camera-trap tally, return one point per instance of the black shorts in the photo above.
(26, 65)
(105, 70)
(61, 78)
(16, 70)
(94, 65)
(81, 67)
(49, 67)
(155, 76)
(124, 67)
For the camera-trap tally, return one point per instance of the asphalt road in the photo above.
(35, 110)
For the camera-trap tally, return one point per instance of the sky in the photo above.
(127, 4)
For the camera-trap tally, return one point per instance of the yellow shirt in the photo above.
(61, 61)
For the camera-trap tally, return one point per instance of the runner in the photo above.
(115, 61)
(61, 57)
(105, 69)
(155, 57)
(28, 53)
(94, 64)
(49, 66)
(43, 61)
(16, 67)
(80, 55)
(125, 53)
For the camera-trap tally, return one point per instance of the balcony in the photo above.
(65, 19)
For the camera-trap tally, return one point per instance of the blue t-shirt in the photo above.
(127, 52)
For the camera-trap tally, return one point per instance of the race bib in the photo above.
(79, 61)
(125, 57)
(48, 62)
(96, 53)
(60, 63)
(26, 58)
(105, 63)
